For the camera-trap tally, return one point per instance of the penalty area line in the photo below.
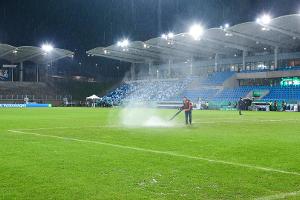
(160, 152)
(279, 196)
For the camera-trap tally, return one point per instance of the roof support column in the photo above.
(169, 67)
(12, 74)
(150, 66)
(132, 71)
(47, 68)
(37, 73)
(191, 66)
(21, 72)
(276, 58)
(244, 59)
(216, 62)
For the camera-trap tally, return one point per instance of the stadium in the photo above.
(205, 113)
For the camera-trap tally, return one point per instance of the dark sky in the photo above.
(85, 24)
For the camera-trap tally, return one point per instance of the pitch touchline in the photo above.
(159, 152)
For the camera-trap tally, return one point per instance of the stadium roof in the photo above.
(281, 32)
(34, 54)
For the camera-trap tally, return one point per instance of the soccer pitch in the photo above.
(83, 153)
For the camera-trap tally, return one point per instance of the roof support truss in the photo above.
(256, 39)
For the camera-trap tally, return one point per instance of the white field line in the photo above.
(243, 121)
(217, 120)
(161, 152)
(66, 127)
(99, 126)
(279, 196)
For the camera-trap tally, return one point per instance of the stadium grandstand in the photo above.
(258, 60)
(24, 73)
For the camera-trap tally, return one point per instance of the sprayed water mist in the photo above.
(138, 107)
(133, 116)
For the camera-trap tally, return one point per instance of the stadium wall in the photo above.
(268, 74)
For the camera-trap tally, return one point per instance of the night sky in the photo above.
(79, 25)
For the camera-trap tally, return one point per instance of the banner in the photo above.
(294, 81)
(12, 105)
(4, 75)
(30, 105)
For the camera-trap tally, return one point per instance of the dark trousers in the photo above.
(188, 117)
(240, 111)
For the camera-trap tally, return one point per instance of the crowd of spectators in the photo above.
(143, 91)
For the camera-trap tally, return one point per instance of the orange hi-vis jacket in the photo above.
(187, 106)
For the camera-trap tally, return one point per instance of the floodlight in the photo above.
(226, 26)
(264, 19)
(47, 48)
(265, 29)
(164, 36)
(170, 35)
(123, 43)
(196, 31)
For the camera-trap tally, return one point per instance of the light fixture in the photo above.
(47, 47)
(123, 43)
(196, 31)
(265, 29)
(164, 36)
(170, 35)
(265, 19)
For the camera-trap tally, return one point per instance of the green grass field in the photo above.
(82, 153)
